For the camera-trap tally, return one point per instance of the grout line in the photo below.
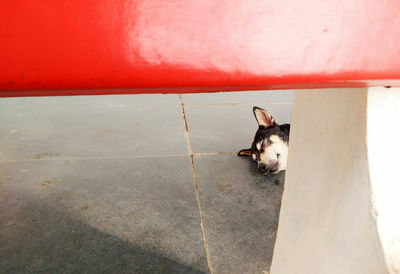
(112, 157)
(90, 158)
(186, 126)
(213, 153)
(201, 215)
(196, 186)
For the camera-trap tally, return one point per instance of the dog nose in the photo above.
(263, 168)
(268, 168)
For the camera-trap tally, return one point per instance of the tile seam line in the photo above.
(112, 158)
(191, 154)
(90, 158)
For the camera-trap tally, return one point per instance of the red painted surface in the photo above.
(68, 47)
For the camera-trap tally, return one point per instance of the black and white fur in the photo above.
(271, 143)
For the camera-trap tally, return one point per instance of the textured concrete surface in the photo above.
(344, 216)
(56, 213)
(241, 211)
(35, 129)
(228, 128)
(106, 184)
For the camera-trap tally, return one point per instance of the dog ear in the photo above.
(245, 152)
(263, 117)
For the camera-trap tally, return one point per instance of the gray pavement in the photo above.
(123, 184)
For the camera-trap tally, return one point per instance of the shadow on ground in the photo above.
(42, 239)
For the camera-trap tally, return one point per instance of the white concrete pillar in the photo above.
(341, 204)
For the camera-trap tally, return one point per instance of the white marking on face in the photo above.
(254, 157)
(275, 138)
(270, 155)
(258, 146)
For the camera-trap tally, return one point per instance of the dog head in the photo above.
(270, 146)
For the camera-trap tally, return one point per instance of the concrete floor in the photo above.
(106, 184)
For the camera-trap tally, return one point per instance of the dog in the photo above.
(271, 143)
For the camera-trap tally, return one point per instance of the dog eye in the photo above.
(278, 155)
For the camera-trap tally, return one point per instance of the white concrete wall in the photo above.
(330, 215)
(383, 140)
